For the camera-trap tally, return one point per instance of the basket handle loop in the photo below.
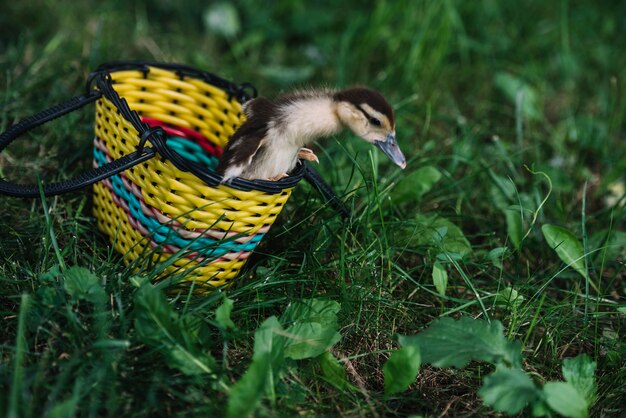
(82, 180)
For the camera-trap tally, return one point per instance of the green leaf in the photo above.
(448, 342)
(440, 278)
(188, 360)
(622, 310)
(263, 372)
(52, 274)
(246, 394)
(518, 91)
(333, 371)
(154, 317)
(270, 339)
(503, 191)
(222, 314)
(514, 225)
(611, 242)
(159, 326)
(50, 296)
(139, 281)
(80, 283)
(541, 409)
(313, 327)
(401, 369)
(580, 372)
(312, 330)
(510, 298)
(567, 247)
(563, 398)
(509, 390)
(415, 185)
(442, 234)
(496, 255)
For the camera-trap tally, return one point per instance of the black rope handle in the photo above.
(316, 180)
(85, 179)
(47, 115)
(82, 180)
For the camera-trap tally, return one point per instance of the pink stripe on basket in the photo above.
(231, 256)
(153, 212)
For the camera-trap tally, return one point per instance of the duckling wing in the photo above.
(241, 149)
(248, 139)
(259, 107)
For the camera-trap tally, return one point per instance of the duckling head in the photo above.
(371, 117)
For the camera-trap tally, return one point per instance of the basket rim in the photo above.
(103, 81)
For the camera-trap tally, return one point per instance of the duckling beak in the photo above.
(390, 147)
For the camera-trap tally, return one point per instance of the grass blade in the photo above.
(18, 367)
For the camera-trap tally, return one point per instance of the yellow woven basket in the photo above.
(170, 209)
(159, 130)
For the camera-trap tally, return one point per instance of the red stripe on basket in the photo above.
(187, 133)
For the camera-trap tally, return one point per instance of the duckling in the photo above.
(275, 134)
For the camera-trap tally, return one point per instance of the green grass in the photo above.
(509, 104)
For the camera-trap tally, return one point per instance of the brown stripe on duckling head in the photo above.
(359, 96)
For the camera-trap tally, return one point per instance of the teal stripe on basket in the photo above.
(191, 151)
(165, 234)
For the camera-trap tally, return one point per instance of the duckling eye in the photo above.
(375, 121)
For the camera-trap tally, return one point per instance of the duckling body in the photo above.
(270, 142)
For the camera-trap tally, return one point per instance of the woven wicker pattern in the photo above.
(155, 206)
